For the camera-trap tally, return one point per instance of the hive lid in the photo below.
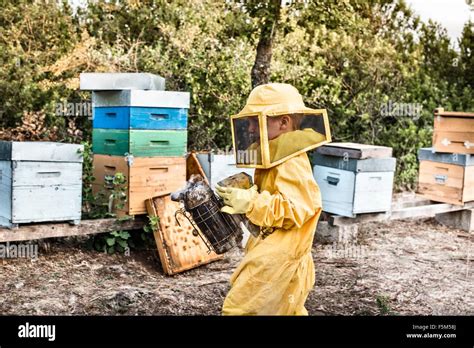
(138, 98)
(355, 150)
(442, 113)
(40, 151)
(386, 164)
(121, 81)
(429, 154)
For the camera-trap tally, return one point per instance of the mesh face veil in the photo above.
(275, 125)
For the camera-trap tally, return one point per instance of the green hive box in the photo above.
(139, 143)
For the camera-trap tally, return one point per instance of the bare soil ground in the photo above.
(402, 267)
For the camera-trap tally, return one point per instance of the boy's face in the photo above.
(278, 125)
(275, 126)
(253, 128)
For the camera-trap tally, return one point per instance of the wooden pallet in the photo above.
(179, 249)
(85, 227)
(420, 208)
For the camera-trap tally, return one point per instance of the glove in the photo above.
(236, 200)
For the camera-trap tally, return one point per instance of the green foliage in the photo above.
(349, 56)
(88, 179)
(383, 303)
(466, 58)
(153, 224)
(33, 36)
(114, 242)
(103, 204)
(111, 197)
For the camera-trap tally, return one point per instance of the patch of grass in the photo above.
(383, 303)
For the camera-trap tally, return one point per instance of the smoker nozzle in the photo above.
(177, 196)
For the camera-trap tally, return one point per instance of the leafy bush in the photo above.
(350, 57)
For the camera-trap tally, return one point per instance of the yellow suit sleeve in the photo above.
(295, 200)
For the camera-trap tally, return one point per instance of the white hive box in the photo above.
(355, 179)
(40, 181)
(218, 167)
(136, 98)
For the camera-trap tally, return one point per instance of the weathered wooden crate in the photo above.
(180, 247)
(350, 185)
(146, 177)
(120, 81)
(40, 181)
(453, 132)
(447, 178)
(139, 98)
(139, 143)
(218, 167)
(124, 117)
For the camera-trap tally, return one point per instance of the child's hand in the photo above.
(237, 200)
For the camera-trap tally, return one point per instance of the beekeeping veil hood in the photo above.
(275, 125)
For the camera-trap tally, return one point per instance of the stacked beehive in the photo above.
(447, 169)
(139, 131)
(354, 178)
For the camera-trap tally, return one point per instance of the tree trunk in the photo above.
(261, 68)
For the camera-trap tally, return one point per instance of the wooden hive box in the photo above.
(140, 98)
(124, 117)
(179, 247)
(355, 178)
(139, 143)
(453, 132)
(146, 177)
(40, 181)
(140, 109)
(140, 123)
(444, 177)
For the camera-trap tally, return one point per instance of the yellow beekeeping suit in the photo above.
(277, 272)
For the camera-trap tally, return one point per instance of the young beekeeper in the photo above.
(272, 134)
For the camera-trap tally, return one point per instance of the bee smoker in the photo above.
(202, 209)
